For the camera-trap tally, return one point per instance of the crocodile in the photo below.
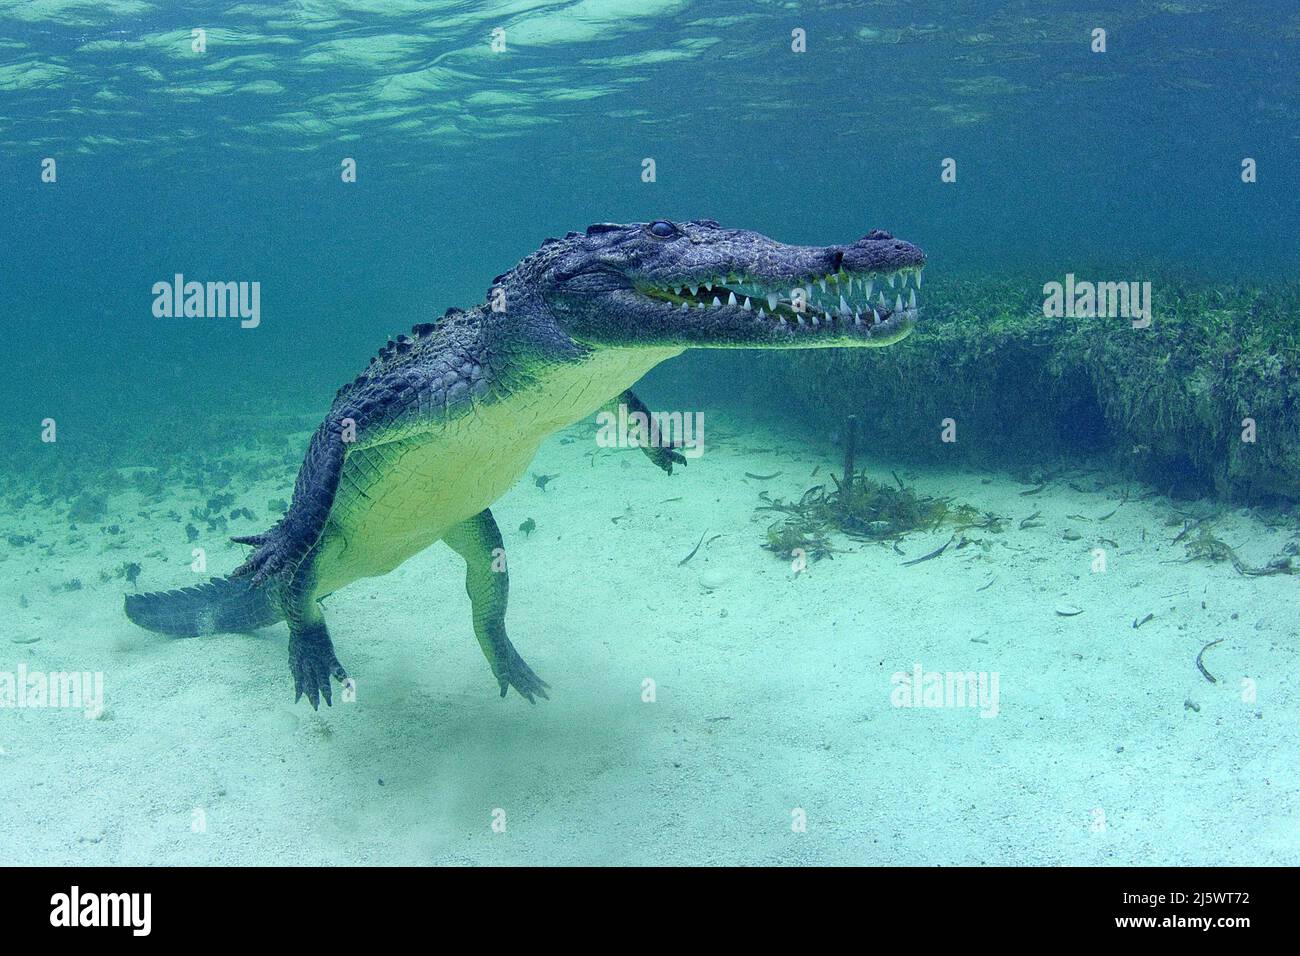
(443, 421)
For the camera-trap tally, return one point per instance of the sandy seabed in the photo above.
(771, 737)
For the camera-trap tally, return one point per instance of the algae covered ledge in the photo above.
(1201, 401)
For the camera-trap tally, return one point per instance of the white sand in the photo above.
(773, 691)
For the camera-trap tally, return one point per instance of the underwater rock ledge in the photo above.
(1165, 403)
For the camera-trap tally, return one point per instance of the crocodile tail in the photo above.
(222, 606)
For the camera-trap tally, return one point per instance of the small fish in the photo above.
(932, 555)
(528, 527)
(775, 474)
(541, 481)
(1200, 662)
(693, 550)
(1030, 522)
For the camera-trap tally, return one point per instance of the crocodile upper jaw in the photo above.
(854, 303)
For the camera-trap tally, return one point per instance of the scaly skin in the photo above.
(441, 424)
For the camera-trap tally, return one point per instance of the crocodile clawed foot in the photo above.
(256, 540)
(313, 664)
(515, 673)
(273, 557)
(665, 458)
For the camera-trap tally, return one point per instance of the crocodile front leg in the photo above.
(478, 541)
(662, 457)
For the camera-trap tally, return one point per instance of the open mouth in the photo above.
(864, 302)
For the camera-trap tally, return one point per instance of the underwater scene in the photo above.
(650, 432)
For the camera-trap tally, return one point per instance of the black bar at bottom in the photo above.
(311, 906)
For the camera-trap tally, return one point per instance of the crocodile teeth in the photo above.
(772, 300)
(919, 273)
(709, 286)
(857, 318)
(898, 303)
(822, 283)
(881, 297)
(716, 302)
(911, 300)
(875, 317)
(844, 306)
(890, 277)
(694, 289)
(699, 305)
(867, 287)
(685, 307)
(731, 298)
(761, 313)
(746, 305)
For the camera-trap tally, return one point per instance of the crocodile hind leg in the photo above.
(311, 652)
(478, 541)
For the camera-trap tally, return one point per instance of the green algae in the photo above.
(1176, 404)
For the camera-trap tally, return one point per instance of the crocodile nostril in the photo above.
(837, 259)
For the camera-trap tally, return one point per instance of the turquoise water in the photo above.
(771, 685)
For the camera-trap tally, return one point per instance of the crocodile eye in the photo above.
(662, 229)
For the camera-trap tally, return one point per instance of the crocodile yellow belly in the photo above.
(398, 497)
